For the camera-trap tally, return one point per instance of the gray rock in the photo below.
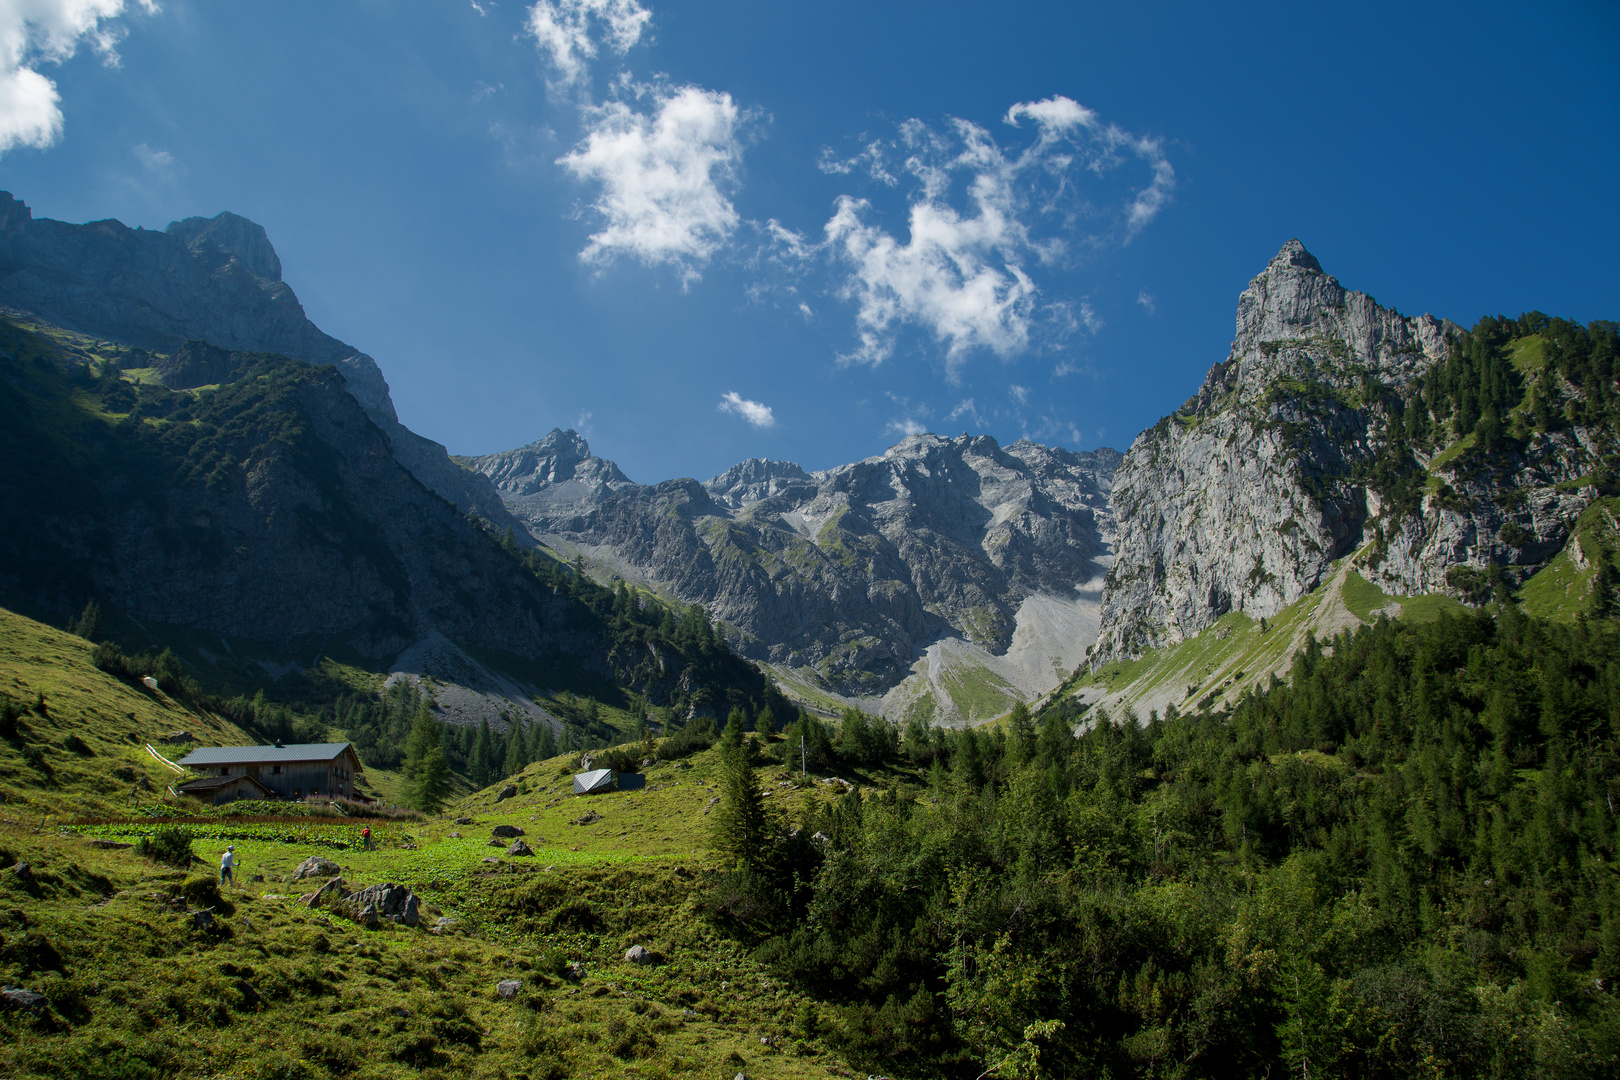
(508, 988)
(444, 924)
(576, 971)
(386, 903)
(638, 954)
(1244, 498)
(16, 997)
(853, 572)
(463, 821)
(202, 920)
(332, 892)
(22, 871)
(507, 792)
(520, 849)
(314, 867)
(506, 831)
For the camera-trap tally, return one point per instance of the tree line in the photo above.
(1400, 862)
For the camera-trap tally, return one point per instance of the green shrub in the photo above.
(171, 846)
(698, 734)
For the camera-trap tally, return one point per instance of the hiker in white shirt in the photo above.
(227, 862)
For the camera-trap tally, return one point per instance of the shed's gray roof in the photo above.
(262, 755)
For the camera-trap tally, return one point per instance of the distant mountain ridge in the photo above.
(849, 575)
(215, 280)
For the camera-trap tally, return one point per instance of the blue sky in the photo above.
(700, 232)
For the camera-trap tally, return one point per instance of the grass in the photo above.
(1214, 667)
(977, 692)
(133, 988)
(1562, 590)
(1451, 453)
(277, 989)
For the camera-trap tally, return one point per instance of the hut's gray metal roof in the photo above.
(264, 755)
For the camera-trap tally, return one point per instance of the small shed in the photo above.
(594, 782)
(224, 789)
(598, 781)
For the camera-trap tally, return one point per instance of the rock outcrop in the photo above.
(853, 572)
(1288, 457)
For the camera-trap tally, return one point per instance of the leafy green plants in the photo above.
(166, 845)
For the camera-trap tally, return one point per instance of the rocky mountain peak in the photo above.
(756, 479)
(234, 235)
(1294, 255)
(558, 458)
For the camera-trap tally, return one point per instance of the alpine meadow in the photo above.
(382, 726)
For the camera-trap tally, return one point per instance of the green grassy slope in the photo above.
(1237, 653)
(280, 990)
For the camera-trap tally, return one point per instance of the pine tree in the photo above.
(741, 826)
(481, 760)
(515, 749)
(765, 722)
(545, 741)
(427, 773)
(732, 736)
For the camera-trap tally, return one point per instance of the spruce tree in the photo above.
(427, 773)
(515, 756)
(741, 826)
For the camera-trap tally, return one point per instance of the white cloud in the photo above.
(804, 309)
(965, 273)
(568, 31)
(965, 408)
(660, 177)
(1146, 299)
(33, 32)
(905, 426)
(1018, 393)
(157, 161)
(756, 413)
(583, 423)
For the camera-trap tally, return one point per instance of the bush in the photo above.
(698, 734)
(171, 846)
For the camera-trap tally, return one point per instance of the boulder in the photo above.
(15, 997)
(109, 845)
(507, 831)
(444, 925)
(202, 920)
(587, 817)
(315, 866)
(576, 971)
(492, 859)
(508, 988)
(455, 836)
(23, 872)
(638, 954)
(506, 792)
(519, 848)
(497, 843)
(332, 891)
(387, 903)
(462, 821)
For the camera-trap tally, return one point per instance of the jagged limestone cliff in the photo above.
(854, 573)
(1337, 426)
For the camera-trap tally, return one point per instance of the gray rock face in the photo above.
(853, 571)
(204, 280)
(315, 866)
(386, 903)
(1244, 497)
